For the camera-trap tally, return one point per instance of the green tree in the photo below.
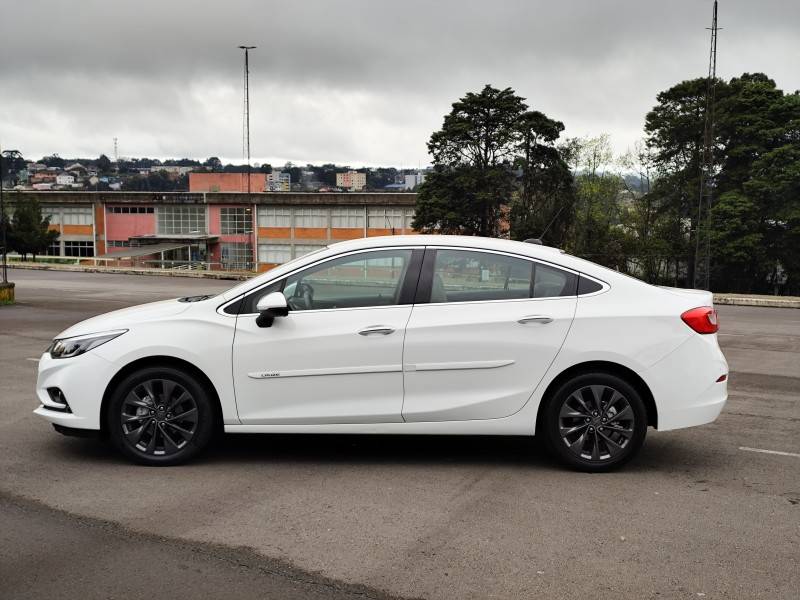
(675, 132)
(472, 154)
(103, 164)
(29, 232)
(544, 205)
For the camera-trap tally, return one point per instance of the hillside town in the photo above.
(54, 173)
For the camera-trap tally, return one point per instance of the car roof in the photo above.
(448, 240)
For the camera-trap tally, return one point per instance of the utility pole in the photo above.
(702, 255)
(246, 141)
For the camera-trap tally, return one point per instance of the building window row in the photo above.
(118, 244)
(78, 248)
(378, 217)
(70, 215)
(276, 254)
(131, 210)
(236, 220)
(181, 220)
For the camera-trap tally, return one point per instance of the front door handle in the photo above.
(376, 330)
(535, 319)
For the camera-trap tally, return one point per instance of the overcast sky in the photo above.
(359, 82)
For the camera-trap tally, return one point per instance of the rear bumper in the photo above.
(685, 383)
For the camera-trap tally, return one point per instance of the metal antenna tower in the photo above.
(702, 254)
(247, 110)
(116, 151)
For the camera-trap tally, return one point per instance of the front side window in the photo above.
(472, 276)
(357, 280)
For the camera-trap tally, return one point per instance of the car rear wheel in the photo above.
(595, 422)
(160, 416)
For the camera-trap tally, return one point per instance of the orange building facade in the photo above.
(215, 230)
(227, 182)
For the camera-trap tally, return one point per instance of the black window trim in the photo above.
(425, 286)
(407, 293)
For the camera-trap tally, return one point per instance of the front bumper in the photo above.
(83, 381)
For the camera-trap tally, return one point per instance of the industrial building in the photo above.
(228, 231)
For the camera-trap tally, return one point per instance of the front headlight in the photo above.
(75, 346)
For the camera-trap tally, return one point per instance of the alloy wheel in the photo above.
(596, 423)
(159, 417)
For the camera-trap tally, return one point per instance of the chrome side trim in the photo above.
(327, 371)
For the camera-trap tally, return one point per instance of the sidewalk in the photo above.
(721, 298)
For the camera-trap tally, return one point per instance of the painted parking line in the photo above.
(33, 359)
(761, 450)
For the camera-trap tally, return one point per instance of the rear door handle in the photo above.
(376, 330)
(535, 319)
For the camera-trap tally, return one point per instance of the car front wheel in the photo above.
(595, 422)
(160, 416)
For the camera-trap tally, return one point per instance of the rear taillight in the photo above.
(702, 319)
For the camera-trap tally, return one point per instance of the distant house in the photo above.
(75, 167)
(171, 169)
(43, 176)
(65, 179)
(279, 181)
(42, 186)
(354, 181)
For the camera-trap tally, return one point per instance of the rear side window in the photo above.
(470, 276)
(550, 282)
(588, 286)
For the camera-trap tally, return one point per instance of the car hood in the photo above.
(126, 317)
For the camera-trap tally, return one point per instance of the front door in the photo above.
(492, 328)
(337, 356)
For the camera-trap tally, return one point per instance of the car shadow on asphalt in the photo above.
(660, 453)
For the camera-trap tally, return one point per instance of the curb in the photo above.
(765, 301)
(234, 276)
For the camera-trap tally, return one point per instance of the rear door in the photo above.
(484, 330)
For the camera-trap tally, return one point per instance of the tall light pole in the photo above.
(247, 139)
(247, 110)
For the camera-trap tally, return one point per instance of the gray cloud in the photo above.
(355, 81)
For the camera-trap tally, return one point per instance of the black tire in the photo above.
(594, 422)
(160, 416)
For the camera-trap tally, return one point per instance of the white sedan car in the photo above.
(405, 334)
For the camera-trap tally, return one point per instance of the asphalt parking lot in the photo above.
(696, 515)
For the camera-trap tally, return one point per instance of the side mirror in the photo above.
(271, 306)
